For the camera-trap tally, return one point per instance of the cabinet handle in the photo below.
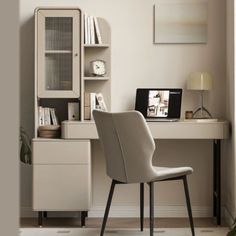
(76, 54)
(63, 231)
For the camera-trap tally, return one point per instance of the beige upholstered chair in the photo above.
(128, 147)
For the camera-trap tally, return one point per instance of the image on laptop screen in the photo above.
(158, 103)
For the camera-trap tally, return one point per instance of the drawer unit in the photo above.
(61, 152)
(61, 187)
(61, 175)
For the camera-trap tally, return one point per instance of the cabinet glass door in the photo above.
(58, 53)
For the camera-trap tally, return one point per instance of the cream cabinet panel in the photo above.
(61, 152)
(58, 48)
(61, 187)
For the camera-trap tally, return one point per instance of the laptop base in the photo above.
(161, 120)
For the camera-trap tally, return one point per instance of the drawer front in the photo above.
(79, 130)
(61, 152)
(61, 187)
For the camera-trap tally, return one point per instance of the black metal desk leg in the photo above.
(40, 218)
(83, 216)
(45, 214)
(217, 180)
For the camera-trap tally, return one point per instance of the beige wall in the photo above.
(229, 163)
(137, 62)
(9, 125)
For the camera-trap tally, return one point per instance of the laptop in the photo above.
(159, 104)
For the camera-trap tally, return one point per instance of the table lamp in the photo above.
(200, 81)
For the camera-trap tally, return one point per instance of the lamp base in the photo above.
(202, 113)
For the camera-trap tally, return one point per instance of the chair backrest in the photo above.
(128, 145)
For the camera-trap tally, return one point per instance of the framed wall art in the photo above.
(180, 21)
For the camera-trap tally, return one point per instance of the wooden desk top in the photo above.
(160, 130)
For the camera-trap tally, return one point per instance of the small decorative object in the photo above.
(73, 111)
(180, 21)
(49, 131)
(98, 67)
(200, 81)
(189, 115)
(101, 103)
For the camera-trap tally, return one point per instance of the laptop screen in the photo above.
(159, 102)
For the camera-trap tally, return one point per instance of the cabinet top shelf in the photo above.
(57, 51)
(96, 78)
(104, 45)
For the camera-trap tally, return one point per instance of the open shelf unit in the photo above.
(104, 45)
(97, 84)
(96, 78)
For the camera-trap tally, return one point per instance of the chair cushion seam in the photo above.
(117, 135)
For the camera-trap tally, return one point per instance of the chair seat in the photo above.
(163, 173)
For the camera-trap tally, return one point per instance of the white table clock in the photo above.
(98, 67)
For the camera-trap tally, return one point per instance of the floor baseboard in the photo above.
(217, 231)
(131, 211)
(228, 217)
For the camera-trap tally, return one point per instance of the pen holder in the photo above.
(189, 115)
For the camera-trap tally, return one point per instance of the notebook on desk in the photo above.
(159, 104)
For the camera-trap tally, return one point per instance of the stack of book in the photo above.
(93, 101)
(47, 116)
(92, 34)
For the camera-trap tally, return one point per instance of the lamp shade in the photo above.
(199, 81)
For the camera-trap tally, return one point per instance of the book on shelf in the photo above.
(89, 105)
(89, 30)
(87, 113)
(40, 116)
(87, 35)
(85, 28)
(92, 104)
(47, 116)
(92, 33)
(97, 30)
(93, 101)
(47, 119)
(92, 30)
(53, 116)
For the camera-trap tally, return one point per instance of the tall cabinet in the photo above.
(58, 53)
(62, 168)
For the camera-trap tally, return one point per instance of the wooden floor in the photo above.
(118, 222)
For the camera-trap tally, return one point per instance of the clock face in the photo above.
(98, 67)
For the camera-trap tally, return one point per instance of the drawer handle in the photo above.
(63, 231)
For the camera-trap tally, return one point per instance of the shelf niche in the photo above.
(100, 84)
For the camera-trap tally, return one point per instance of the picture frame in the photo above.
(181, 22)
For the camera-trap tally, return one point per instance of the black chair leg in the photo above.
(188, 204)
(141, 205)
(151, 202)
(108, 207)
(83, 218)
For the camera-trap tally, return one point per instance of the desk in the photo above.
(216, 131)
